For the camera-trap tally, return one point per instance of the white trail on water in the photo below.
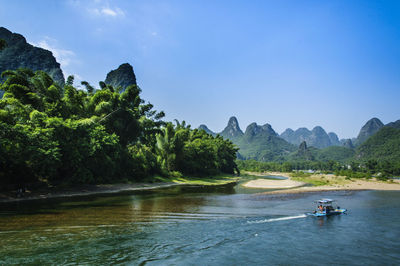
(277, 219)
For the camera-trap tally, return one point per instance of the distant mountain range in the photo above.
(317, 137)
(257, 142)
(264, 144)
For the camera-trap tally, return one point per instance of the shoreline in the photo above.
(273, 184)
(286, 186)
(104, 189)
(333, 183)
(85, 190)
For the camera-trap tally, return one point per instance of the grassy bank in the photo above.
(313, 179)
(203, 181)
(321, 180)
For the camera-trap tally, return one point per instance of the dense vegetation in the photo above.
(357, 169)
(335, 153)
(332, 153)
(3, 44)
(264, 147)
(382, 146)
(256, 166)
(61, 134)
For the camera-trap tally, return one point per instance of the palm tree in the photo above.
(89, 88)
(165, 148)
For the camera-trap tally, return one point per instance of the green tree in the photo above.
(63, 134)
(3, 44)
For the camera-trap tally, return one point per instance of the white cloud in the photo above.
(98, 8)
(107, 12)
(66, 58)
(110, 12)
(63, 56)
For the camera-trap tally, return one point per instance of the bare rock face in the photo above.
(123, 76)
(296, 137)
(370, 128)
(334, 139)
(348, 143)
(287, 134)
(232, 130)
(20, 54)
(317, 137)
(254, 130)
(303, 152)
(303, 146)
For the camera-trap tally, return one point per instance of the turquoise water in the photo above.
(202, 226)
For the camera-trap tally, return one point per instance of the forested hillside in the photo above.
(384, 145)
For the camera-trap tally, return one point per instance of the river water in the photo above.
(202, 226)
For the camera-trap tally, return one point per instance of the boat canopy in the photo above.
(325, 201)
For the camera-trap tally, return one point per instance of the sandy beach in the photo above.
(273, 184)
(336, 183)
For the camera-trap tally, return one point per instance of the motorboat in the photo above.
(326, 207)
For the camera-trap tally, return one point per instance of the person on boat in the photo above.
(320, 208)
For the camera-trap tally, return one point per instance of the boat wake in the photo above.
(277, 219)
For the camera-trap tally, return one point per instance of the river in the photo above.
(202, 226)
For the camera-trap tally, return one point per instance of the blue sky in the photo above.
(287, 63)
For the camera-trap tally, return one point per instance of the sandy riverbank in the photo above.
(273, 184)
(334, 183)
(270, 183)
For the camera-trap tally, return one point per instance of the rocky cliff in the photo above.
(303, 153)
(123, 76)
(348, 143)
(370, 128)
(296, 137)
(20, 54)
(255, 130)
(288, 135)
(334, 139)
(232, 130)
(317, 137)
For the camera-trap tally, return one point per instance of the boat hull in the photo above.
(324, 213)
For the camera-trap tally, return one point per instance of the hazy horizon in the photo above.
(333, 64)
